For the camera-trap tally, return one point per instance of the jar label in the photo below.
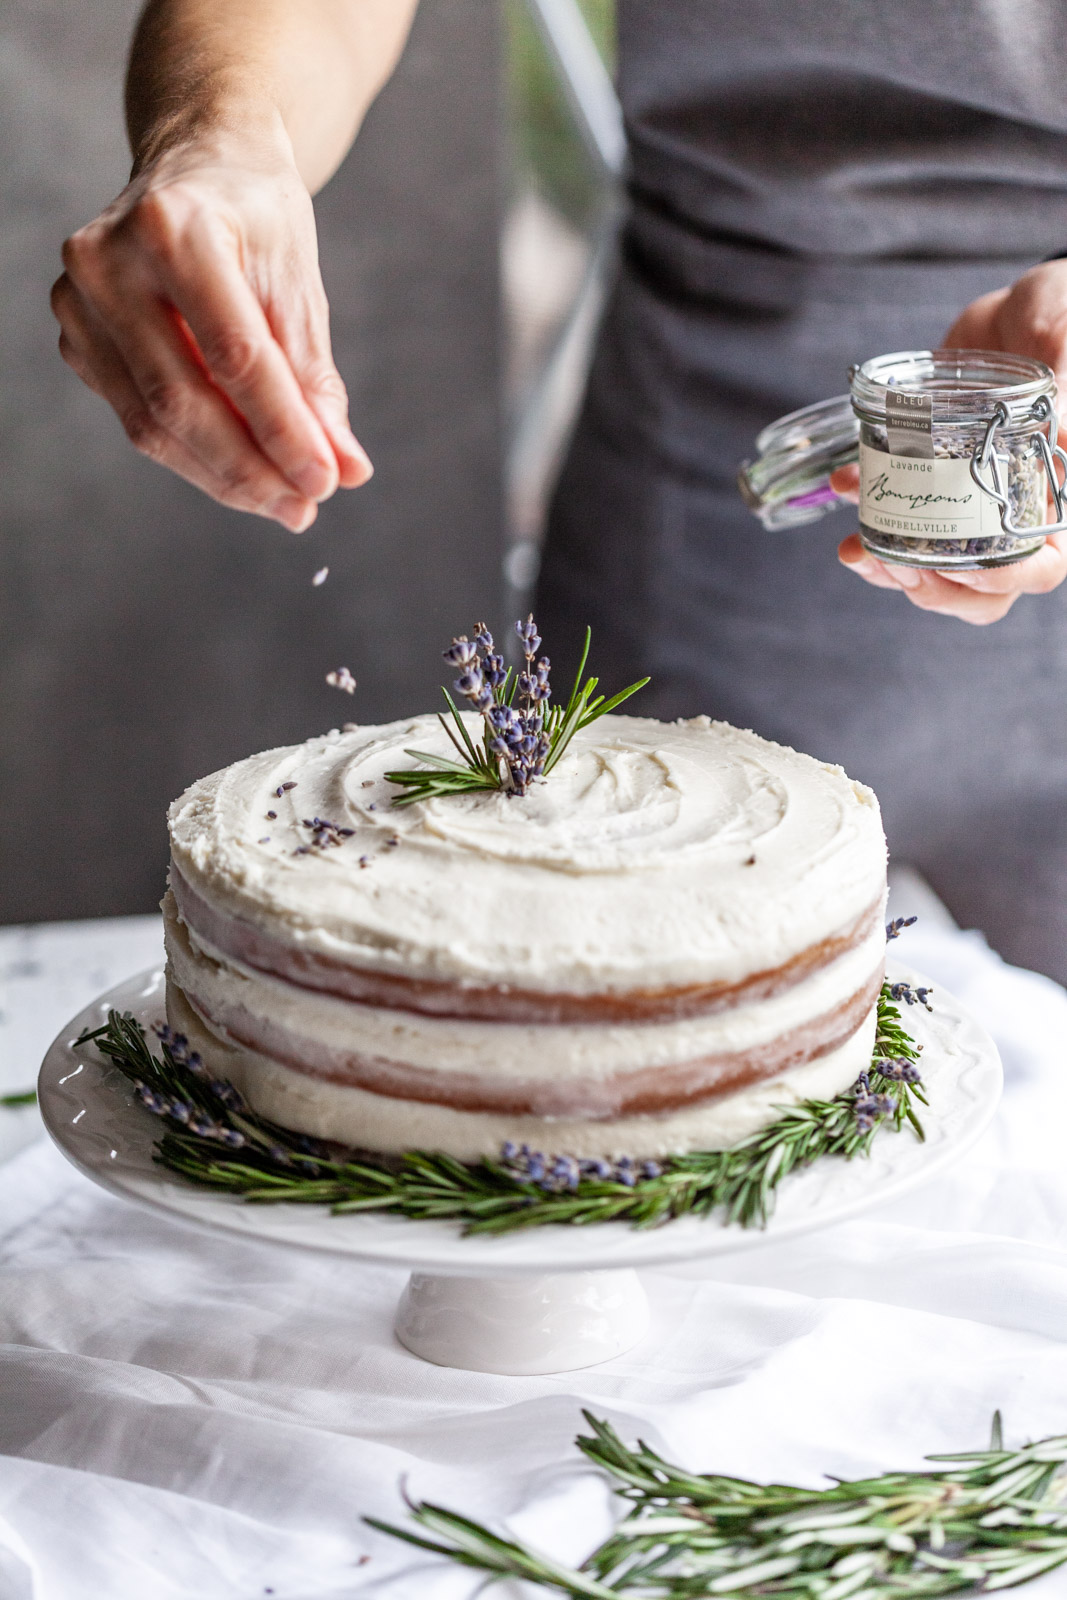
(909, 423)
(917, 498)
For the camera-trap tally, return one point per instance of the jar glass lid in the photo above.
(958, 382)
(788, 483)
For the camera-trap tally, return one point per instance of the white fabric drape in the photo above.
(189, 1416)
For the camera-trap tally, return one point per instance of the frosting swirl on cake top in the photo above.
(654, 855)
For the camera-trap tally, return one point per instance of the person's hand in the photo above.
(194, 305)
(979, 596)
(1028, 318)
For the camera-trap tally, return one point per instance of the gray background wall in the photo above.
(148, 636)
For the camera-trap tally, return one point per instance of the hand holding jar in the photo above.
(1029, 319)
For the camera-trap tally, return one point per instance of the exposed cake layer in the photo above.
(240, 941)
(360, 1117)
(661, 870)
(587, 1070)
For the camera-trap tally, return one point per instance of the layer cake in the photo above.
(676, 933)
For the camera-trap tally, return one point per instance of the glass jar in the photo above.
(957, 453)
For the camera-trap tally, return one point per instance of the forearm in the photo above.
(303, 71)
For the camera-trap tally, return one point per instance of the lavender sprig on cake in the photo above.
(523, 735)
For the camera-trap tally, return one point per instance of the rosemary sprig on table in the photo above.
(523, 734)
(214, 1139)
(22, 1097)
(987, 1520)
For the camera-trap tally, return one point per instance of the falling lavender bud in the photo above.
(272, 816)
(342, 679)
(265, 839)
(893, 929)
(320, 577)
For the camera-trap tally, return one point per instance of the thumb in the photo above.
(976, 326)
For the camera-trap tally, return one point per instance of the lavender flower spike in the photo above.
(531, 639)
(462, 652)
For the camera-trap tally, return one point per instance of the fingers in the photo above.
(168, 308)
(204, 281)
(1028, 318)
(979, 597)
(88, 350)
(845, 483)
(214, 396)
(974, 328)
(1038, 574)
(301, 326)
(852, 555)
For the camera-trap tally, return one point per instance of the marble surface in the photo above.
(48, 972)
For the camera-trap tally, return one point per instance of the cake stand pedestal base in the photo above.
(522, 1326)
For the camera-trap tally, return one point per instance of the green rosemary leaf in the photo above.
(461, 725)
(22, 1097)
(460, 749)
(471, 1545)
(576, 691)
(690, 1535)
(445, 763)
(616, 700)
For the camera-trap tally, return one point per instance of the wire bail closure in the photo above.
(985, 459)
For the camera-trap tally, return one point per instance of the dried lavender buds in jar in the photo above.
(926, 420)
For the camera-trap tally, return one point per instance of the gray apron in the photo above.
(810, 186)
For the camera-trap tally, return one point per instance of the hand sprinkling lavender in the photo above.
(342, 679)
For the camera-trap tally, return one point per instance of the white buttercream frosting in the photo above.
(655, 855)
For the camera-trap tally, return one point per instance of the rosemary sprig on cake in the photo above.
(524, 735)
(213, 1138)
(986, 1520)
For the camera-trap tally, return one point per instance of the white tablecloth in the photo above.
(184, 1416)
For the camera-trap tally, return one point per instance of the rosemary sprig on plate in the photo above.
(214, 1139)
(986, 1520)
(523, 735)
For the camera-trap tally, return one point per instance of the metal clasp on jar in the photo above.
(985, 459)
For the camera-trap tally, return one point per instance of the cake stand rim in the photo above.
(438, 1246)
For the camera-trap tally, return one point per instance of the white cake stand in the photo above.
(550, 1300)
